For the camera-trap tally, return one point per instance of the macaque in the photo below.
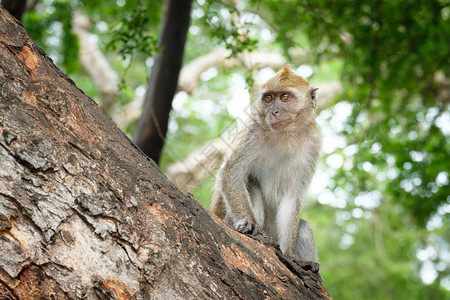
(262, 185)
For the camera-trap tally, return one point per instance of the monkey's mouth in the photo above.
(280, 125)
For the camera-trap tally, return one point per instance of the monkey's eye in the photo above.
(284, 97)
(267, 98)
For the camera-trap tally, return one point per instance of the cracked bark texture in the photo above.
(84, 214)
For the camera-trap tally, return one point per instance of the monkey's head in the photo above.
(285, 101)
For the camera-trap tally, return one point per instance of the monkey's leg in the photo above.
(305, 249)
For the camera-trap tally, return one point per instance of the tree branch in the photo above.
(96, 65)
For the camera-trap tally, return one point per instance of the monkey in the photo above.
(262, 184)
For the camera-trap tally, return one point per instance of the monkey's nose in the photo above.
(275, 113)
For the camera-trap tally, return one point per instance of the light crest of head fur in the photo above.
(285, 78)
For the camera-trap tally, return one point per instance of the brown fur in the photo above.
(283, 79)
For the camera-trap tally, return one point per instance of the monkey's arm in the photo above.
(233, 181)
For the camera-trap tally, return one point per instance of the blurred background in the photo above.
(380, 200)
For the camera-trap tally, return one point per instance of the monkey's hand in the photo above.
(247, 227)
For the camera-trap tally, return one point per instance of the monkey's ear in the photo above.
(313, 97)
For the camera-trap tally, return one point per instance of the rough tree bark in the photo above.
(84, 214)
(151, 128)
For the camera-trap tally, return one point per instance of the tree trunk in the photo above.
(15, 7)
(84, 214)
(152, 126)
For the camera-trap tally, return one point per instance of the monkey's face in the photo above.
(286, 101)
(284, 110)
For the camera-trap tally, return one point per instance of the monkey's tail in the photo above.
(217, 205)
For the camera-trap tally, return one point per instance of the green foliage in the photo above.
(374, 257)
(132, 33)
(227, 30)
(128, 36)
(391, 52)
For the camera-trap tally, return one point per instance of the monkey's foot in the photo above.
(247, 227)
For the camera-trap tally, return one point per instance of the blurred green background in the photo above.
(380, 201)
